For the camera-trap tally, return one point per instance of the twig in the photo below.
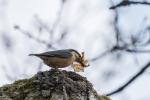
(100, 55)
(127, 3)
(119, 48)
(120, 44)
(117, 38)
(58, 19)
(28, 34)
(121, 88)
(51, 30)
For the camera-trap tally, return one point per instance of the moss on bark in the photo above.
(51, 85)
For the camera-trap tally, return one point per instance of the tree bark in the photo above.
(51, 85)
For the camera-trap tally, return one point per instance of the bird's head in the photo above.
(79, 57)
(75, 54)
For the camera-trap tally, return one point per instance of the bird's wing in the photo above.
(57, 53)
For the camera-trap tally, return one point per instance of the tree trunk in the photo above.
(51, 85)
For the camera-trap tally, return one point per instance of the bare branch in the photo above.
(58, 18)
(127, 3)
(138, 74)
(28, 34)
(137, 51)
(42, 25)
(117, 38)
(119, 48)
(51, 30)
(121, 45)
(101, 55)
(117, 31)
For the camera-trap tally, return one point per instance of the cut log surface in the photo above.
(51, 85)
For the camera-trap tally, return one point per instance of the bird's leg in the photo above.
(55, 69)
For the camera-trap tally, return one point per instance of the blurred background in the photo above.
(114, 34)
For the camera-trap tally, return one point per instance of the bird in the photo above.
(60, 58)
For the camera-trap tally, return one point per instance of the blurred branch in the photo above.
(28, 34)
(100, 55)
(117, 31)
(137, 51)
(41, 25)
(138, 74)
(48, 44)
(49, 29)
(62, 36)
(117, 37)
(127, 3)
(44, 26)
(58, 18)
(121, 45)
(119, 48)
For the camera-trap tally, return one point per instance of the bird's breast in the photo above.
(56, 62)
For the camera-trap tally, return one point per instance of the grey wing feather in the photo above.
(57, 53)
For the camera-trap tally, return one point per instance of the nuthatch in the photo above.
(60, 58)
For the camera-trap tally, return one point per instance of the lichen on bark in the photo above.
(51, 85)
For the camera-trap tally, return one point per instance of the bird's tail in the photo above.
(34, 54)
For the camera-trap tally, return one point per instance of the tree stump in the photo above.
(51, 85)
